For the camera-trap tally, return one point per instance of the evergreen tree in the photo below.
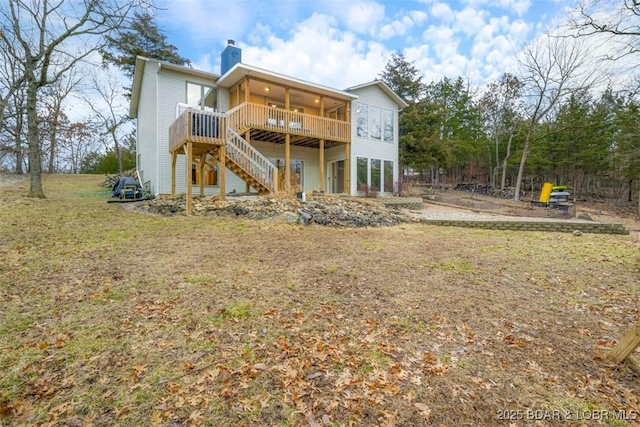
(143, 38)
(403, 78)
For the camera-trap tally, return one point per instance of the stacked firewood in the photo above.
(110, 180)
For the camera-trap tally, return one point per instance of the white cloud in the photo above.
(519, 7)
(442, 11)
(341, 44)
(443, 40)
(418, 16)
(339, 58)
(469, 21)
(361, 17)
(402, 26)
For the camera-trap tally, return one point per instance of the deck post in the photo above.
(287, 163)
(347, 168)
(203, 158)
(222, 158)
(322, 179)
(321, 186)
(174, 160)
(189, 160)
(247, 137)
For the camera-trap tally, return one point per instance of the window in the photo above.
(375, 130)
(210, 171)
(388, 176)
(362, 166)
(375, 175)
(201, 97)
(297, 173)
(387, 123)
(362, 120)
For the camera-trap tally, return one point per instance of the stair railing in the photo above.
(251, 160)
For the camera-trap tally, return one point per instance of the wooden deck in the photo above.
(205, 130)
(271, 124)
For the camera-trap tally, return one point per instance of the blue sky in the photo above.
(344, 43)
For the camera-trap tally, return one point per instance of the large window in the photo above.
(374, 122)
(375, 129)
(362, 119)
(363, 166)
(201, 97)
(374, 175)
(388, 176)
(387, 123)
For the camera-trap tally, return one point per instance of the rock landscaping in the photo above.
(327, 211)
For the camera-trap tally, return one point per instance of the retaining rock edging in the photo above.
(562, 227)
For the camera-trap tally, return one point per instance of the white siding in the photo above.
(368, 147)
(147, 127)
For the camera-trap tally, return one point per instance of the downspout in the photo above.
(158, 134)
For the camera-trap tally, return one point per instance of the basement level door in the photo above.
(336, 177)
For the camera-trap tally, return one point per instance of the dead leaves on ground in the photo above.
(281, 366)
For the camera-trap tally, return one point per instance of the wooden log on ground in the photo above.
(627, 345)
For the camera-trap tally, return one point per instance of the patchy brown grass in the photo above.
(109, 317)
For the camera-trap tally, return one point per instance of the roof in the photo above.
(241, 70)
(386, 89)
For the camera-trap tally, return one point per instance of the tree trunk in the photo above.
(19, 155)
(523, 161)
(33, 135)
(19, 144)
(504, 161)
(52, 150)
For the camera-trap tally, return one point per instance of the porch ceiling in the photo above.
(297, 140)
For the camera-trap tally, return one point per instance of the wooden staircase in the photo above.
(249, 164)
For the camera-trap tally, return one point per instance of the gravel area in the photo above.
(440, 212)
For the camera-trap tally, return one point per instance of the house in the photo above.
(253, 130)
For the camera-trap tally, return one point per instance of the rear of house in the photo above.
(253, 130)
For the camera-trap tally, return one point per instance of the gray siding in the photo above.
(172, 89)
(147, 128)
(307, 155)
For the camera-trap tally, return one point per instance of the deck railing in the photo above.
(251, 160)
(249, 115)
(197, 126)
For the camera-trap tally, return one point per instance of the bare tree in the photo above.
(53, 98)
(501, 110)
(46, 39)
(616, 22)
(11, 75)
(550, 69)
(12, 131)
(78, 140)
(112, 115)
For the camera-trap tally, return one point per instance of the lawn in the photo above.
(111, 317)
